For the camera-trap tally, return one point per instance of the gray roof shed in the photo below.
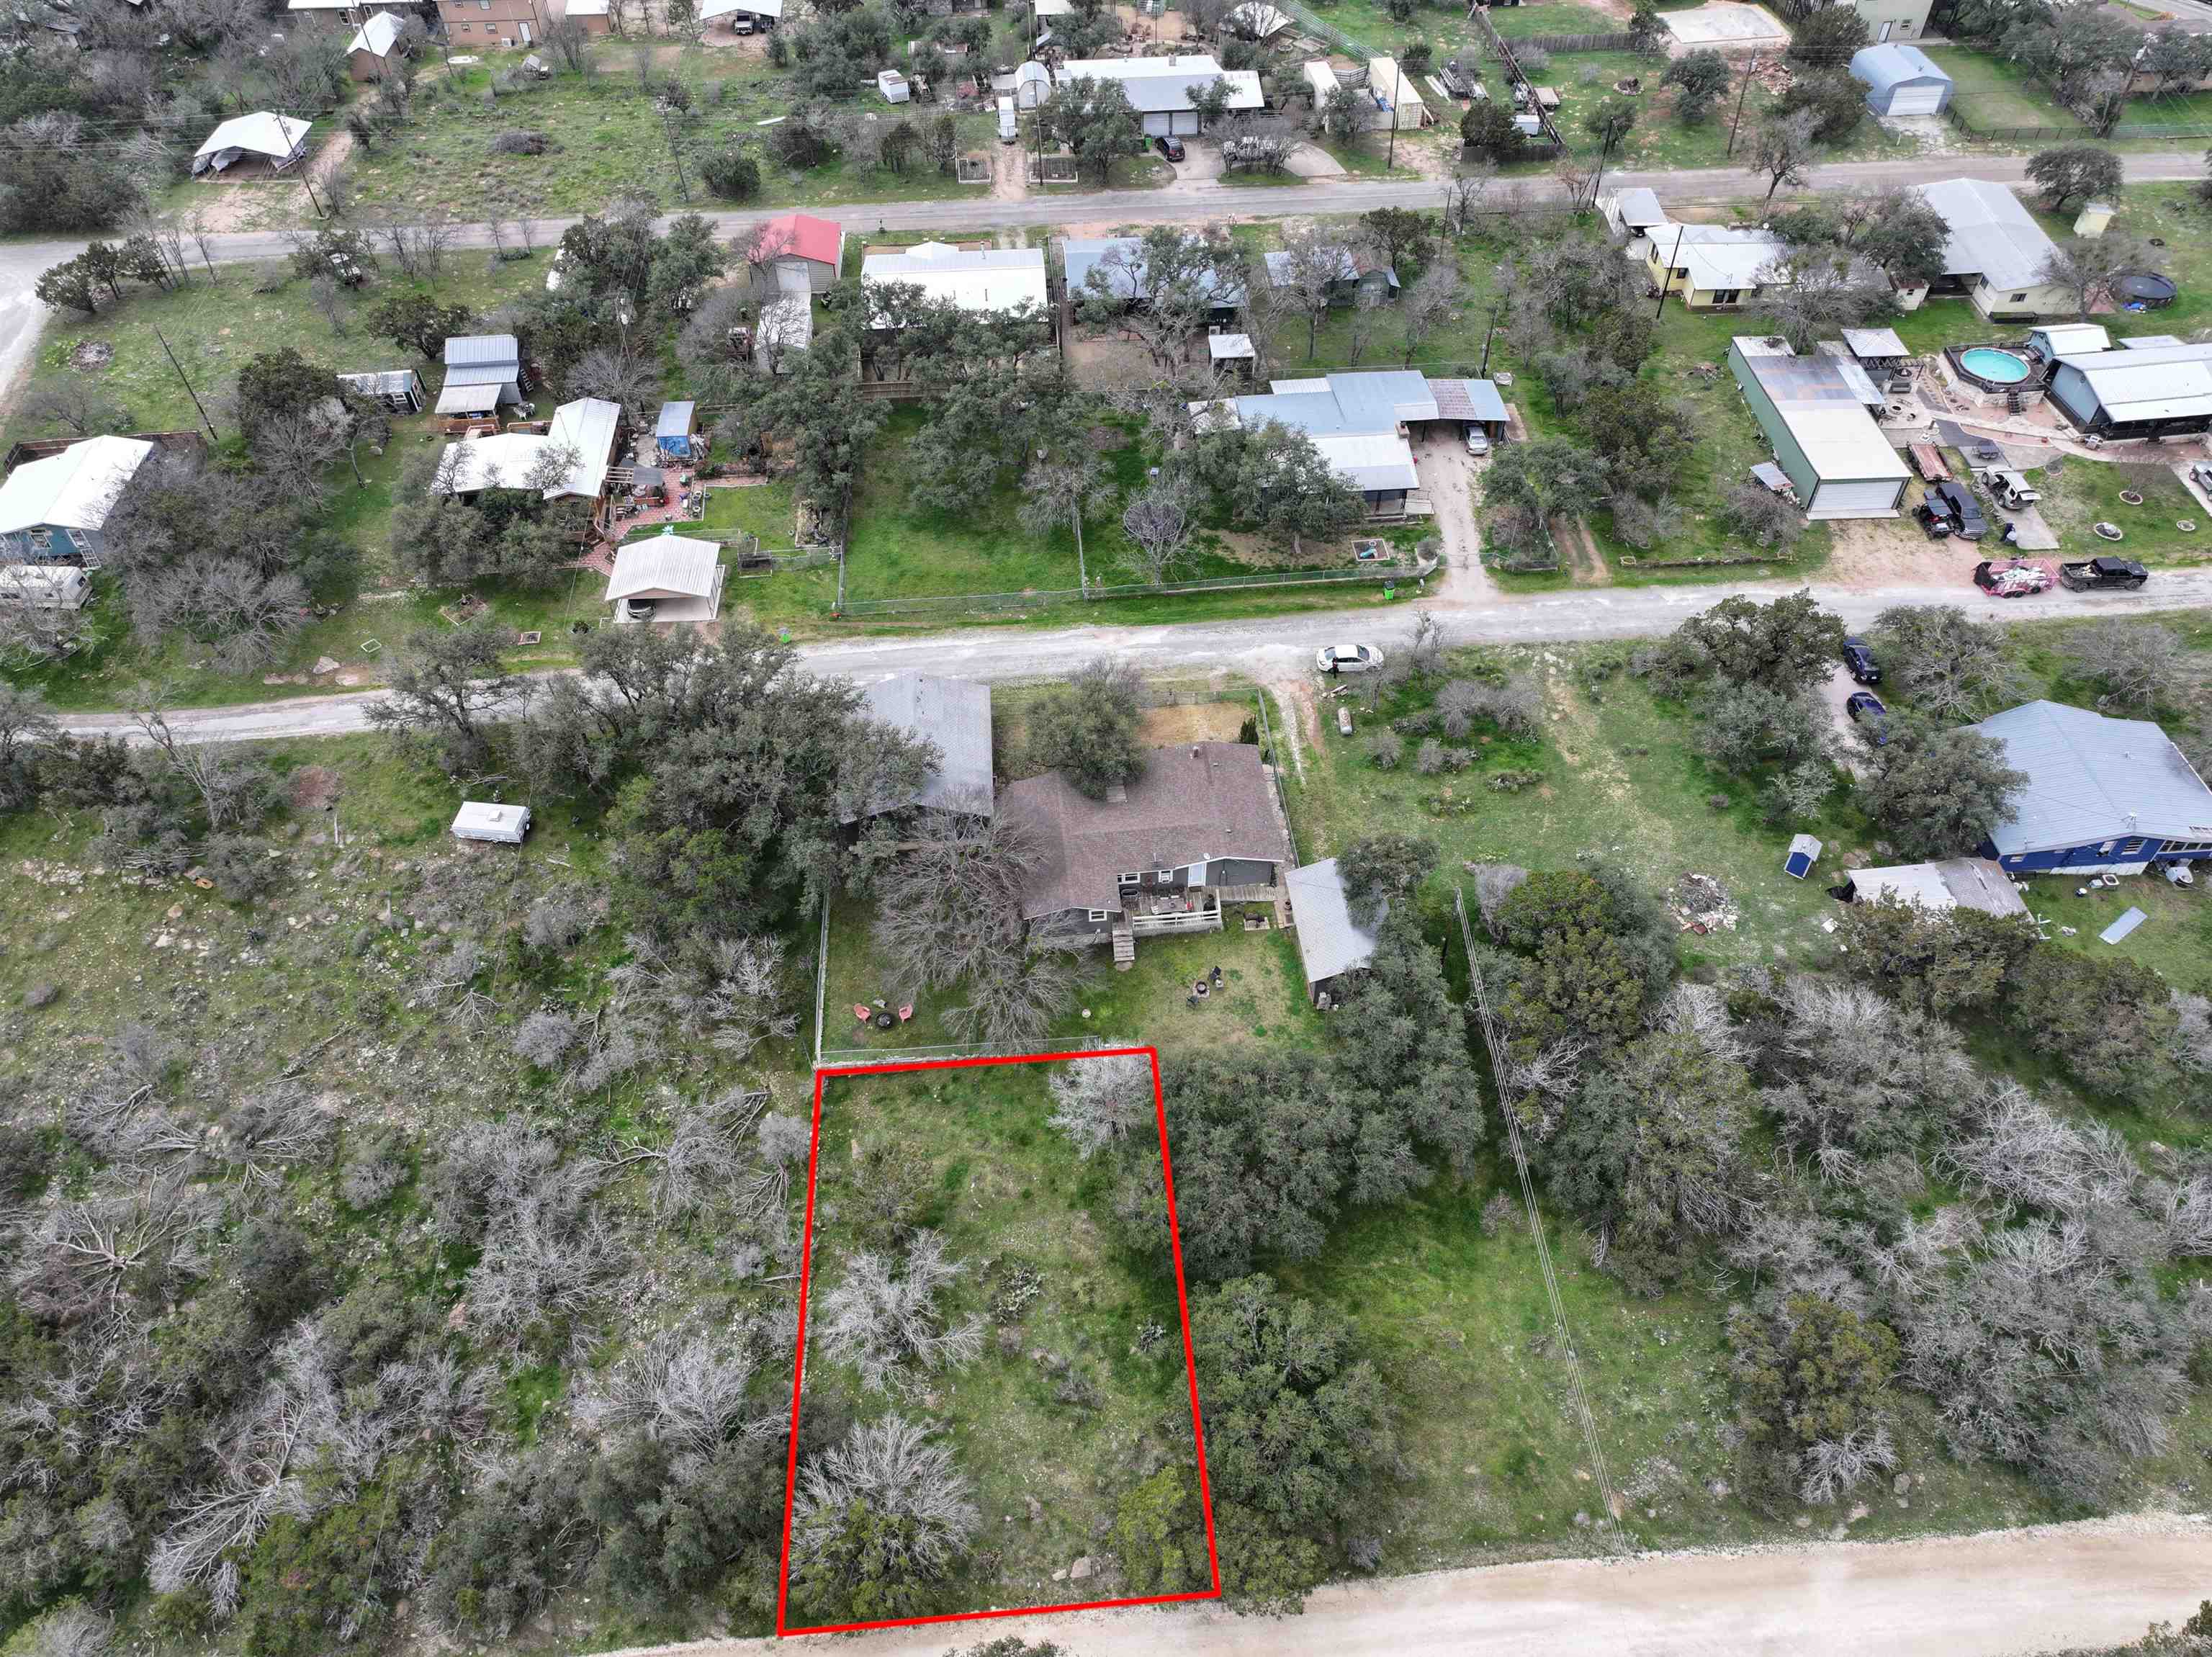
(2091, 778)
(1331, 942)
(1898, 66)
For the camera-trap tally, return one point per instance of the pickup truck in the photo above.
(2096, 574)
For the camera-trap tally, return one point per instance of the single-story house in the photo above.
(1358, 421)
(676, 432)
(1955, 883)
(955, 713)
(279, 140)
(765, 14)
(2055, 339)
(44, 586)
(1120, 264)
(1160, 89)
(2155, 391)
(1711, 265)
(2104, 795)
(399, 390)
(680, 578)
(1995, 254)
(1199, 827)
(1893, 20)
(588, 427)
(1814, 410)
(812, 247)
(1901, 79)
(482, 371)
(1397, 100)
(1358, 273)
(989, 279)
(1334, 945)
(56, 509)
(374, 47)
(1634, 213)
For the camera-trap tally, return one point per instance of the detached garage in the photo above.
(1901, 80)
(1813, 412)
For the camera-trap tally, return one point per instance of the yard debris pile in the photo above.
(1701, 904)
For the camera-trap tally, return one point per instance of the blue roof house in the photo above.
(2103, 795)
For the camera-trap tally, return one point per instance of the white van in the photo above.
(504, 825)
(44, 586)
(1009, 129)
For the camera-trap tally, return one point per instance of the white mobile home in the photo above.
(44, 586)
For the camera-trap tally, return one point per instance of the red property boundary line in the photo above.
(798, 1367)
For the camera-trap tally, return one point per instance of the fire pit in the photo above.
(1200, 988)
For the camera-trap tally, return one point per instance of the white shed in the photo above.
(278, 139)
(892, 85)
(44, 586)
(504, 825)
(666, 578)
(1900, 79)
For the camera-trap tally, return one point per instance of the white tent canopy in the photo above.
(280, 138)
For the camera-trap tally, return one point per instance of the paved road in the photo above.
(1993, 1595)
(1266, 650)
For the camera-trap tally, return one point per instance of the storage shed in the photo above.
(675, 433)
(502, 825)
(1955, 883)
(1334, 944)
(1900, 79)
(279, 140)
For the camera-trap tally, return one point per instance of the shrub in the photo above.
(522, 142)
(1429, 759)
(242, 867)
(1499, 1212)
(1384, 750)
(1512, 782)
(732, 173)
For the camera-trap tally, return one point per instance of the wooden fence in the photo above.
(1618, 41)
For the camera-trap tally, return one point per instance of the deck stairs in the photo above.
(1124, 949)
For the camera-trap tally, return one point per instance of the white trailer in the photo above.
(44, 586)
(1008, 130)
(503, 825)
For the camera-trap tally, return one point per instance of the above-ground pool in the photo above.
(1993, 367)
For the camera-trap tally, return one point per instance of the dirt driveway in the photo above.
(1447, 475)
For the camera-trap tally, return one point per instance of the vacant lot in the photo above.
(1081, 1389)
(1993, 91)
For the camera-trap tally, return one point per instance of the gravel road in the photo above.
(1995, 1594)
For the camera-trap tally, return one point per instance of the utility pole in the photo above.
(1486, 336)
(1668, 275)
(668, 126)
(1397, 88)
(213, 435)
(308, 184)
(1742, 92)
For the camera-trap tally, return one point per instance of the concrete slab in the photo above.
(1727, 28)
(1312, 161)
(2030, 532)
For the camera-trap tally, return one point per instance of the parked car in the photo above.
(640, 609)
(1477, 441)
(1956, 504)
(2011, 581)
(1348, 658)
(1171, 147)
(2200, 475)
(1937, 525)
(1858, 658)
(2091, 573)
(1865, 708)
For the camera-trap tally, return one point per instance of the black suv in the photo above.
(1955, 504)
(1859, 660)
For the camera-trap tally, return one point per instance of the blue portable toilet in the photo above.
(673, 432)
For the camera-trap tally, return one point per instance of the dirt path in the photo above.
(1449, 474)
(1584, 559)
(2000, 1593)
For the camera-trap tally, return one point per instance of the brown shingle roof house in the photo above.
(1202, 824)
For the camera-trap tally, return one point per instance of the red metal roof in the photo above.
(807, 237)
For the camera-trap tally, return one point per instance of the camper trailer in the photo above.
(1008, 130)
(44, 586)
(502, 825)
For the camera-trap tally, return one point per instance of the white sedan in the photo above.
(1348, 658)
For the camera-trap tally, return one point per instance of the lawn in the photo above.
(1990, 91)
(2078, 492)
(1081, 1388)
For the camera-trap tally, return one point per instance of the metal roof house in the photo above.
(814, 247)
(279, 140)
(1900, 79)
(1357, 423)
(588, 427)
(1332, 944)
(1199, 827)
(2103, 796)
(1120, 262)
(1813, 411)
(1955, 883)
(955, 713)
(681, 577)
(1995, 254)
(482, 372)
(991, 279)
(2154, 390)
(56, 509)
(1160, 89)
(1711, 265)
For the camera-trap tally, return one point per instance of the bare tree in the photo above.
(1465, 194)
(1366, 313)
(33, 631)
(76, 402)
(687, 1388)
(1158, 520)
(1314, 261)
(2138, 664)
(2088, 269)
(882, 1320)
(73, 1630)
(1434, 300)
(298, 449)
(619, 375)
(890, 1467)
(231, 780)
(1782, 149)
(1096, 1102)
(242, 613)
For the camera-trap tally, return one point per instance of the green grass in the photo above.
(1004, 1189)
(1990, 91)
(2077, 493)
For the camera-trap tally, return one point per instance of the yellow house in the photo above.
(1712, 266)
(1994, 254)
